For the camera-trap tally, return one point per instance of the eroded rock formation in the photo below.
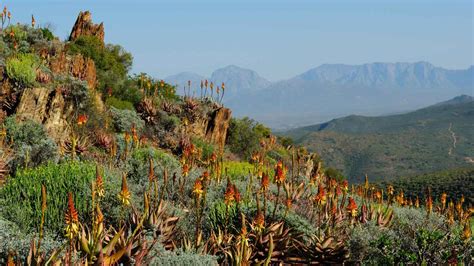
(85, 27)
(213, 127)
(48, 107)
(217, 127)
(77, 66)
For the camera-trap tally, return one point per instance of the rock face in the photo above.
(78, 66)
(216, 131)
(46, 104)
(85, 27)
(48, 107)
(213, 127)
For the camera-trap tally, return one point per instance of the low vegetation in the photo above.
(148, 186)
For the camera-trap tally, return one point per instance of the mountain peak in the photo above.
(239, 79)
(464, 98)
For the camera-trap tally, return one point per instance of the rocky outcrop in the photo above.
(85, 27)
(48, 107)
(217, 126)
(213, 127)
(77, 66)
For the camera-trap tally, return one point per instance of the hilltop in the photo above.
(433, 138)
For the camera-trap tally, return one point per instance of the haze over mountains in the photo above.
(334, 90)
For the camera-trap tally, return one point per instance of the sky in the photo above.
(278, 39)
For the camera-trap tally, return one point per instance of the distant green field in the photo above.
(427, 140)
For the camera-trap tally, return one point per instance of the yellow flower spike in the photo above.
(352, 207)
(321, 198)
(99, 182)
(229, 195)
(71, 218)
(151, 170)
(197, 189)
(124, 194)
(280, 173)
(99, 216)
(466, 233)
(259, 221)
(443, 199)
(185, 170)
(390, 190)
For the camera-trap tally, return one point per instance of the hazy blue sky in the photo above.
(276, 38)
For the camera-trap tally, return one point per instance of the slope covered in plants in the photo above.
(386, 147)
(101, 167)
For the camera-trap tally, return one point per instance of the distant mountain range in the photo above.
(334, 90)
(238, 81)
(435, 138)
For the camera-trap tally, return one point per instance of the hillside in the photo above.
(99, 166)
(455, 183)
(433, 138)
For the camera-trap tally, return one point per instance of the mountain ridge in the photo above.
(335, 90)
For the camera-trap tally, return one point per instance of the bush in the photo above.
(413, 238)
(12, 238)
(31, 143)
(236, 169)
(334, 174)
(244, 136)
(76, 91)
(22, 69)
(119, 104)
(167, 258)
(124, 119)
(138, 163)
(47, 34)
(169, 122)
(112, 63)
(21, 197)
(206, 148)
(285, 141)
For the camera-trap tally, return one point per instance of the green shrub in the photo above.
(31, 143)
(47, 34)
(219, 214)
(169, 122)
(21, 196)
(119, 104)
(244, 136)
(22, 69)
(167, 258)
(285, 141)
(237, 169)
(206, 148)
(76, 91)
(334, 174)
(12, 238)
(413, 238)
(112, 63)
(124, 119)
(138, 163)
